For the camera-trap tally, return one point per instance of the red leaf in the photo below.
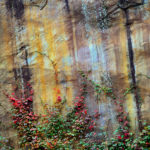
(59, 99)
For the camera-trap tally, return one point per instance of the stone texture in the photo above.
(47, 47)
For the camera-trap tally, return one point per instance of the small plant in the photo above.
(128, 141)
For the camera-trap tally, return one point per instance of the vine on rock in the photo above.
(75, 130)
(124, 137)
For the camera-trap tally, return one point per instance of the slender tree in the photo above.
(67, 5)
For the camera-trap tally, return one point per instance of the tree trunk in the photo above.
(132, 68)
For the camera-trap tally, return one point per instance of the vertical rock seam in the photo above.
(132, 67)
(67, 5)
(15, 7)
(22, 71)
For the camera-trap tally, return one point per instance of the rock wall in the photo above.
(49, 45)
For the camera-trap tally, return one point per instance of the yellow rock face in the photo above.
(48, 47)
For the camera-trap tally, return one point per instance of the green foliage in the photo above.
(130, 141)
(76, 129)
(4, 144)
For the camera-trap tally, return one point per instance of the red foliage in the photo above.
(119, 137)
(91, 127)
(59, 99)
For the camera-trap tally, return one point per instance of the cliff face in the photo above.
(49, 46)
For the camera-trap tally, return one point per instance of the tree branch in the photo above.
(117, 6)
(109, 13)
(130, 5)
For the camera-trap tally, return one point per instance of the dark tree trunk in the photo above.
(132, 68)
(67, 5)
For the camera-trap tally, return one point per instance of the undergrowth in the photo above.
(77, 129)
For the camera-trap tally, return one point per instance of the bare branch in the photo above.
(126, 5)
